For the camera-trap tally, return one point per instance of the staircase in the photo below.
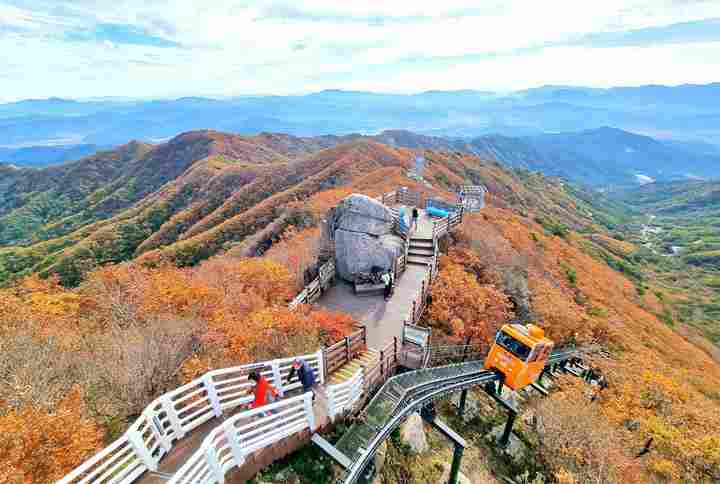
(420, 251)
(368, 358)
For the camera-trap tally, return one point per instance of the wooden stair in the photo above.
(420, 251)
(368, 358)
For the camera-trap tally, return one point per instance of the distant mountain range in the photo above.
(686, 113)
(40, 156)
(600, 157)
(605, 156)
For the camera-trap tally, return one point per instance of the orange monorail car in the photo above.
(519, 353)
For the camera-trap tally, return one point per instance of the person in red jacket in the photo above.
(265, 393)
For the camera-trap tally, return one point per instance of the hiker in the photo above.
(387, 279)
(415, 216)
(305, 375)
(265, 393)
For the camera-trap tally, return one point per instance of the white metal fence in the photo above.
(227, 445)
(343, 396)
(172, 415)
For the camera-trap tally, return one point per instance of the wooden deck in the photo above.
(383, 320)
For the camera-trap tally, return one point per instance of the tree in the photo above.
(463, 308)
(40, 446)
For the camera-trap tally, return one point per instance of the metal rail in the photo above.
(405, 394)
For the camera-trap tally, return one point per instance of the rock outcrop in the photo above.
(362, 230)
(412, 433)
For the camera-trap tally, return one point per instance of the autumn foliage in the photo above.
(76, 365)
(661, 386)
(467, 311)
(39, 445)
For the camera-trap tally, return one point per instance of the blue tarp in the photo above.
(437, 212)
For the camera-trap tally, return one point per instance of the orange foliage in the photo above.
(277, 332)
(665, 386)
(37, 446)
(465, 309)
(297, 250)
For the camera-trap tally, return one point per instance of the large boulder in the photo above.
(412, 433)
(362, 230)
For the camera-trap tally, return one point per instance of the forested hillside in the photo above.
(676, 227)
(131, 292)
(207, 192)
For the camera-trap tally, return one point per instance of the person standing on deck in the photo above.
(387, 279)
(415, 217)
(305, 375)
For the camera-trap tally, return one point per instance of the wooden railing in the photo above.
(448, 223)
(344, 351)
(314, 290)
(385, 366)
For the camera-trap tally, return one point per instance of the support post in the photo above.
(212, 394)
(214, 464)
(395, 349)
(413, 311)
(320, 355)
(159, 432)
(237, 452)
(347, 349)
(505, 438)
(455, 467)
(143, 453)
(463, 402)
(382, 364)
(277, 377)
(172, 414)
(309, 412)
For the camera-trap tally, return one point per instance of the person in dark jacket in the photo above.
(305, 375)
(415, 216)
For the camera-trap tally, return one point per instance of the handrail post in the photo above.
(320, 355)
(347, 349)
(395, 348)
(136, 442)
(172, 414)
(214, 464)
(382, 364)
(277, 376)
(413, 311)
(237, 451)
(309, 412)
(212, 394)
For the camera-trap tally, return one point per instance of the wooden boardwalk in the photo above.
(383, 319)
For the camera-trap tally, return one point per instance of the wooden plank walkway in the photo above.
(383, 319)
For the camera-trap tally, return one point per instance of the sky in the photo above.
(161, 48)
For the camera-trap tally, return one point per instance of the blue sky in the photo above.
(161, 48)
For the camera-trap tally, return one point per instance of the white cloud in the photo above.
(229, 47)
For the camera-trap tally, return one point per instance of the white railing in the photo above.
(172, 415)
(228, 445)
(343, 396)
